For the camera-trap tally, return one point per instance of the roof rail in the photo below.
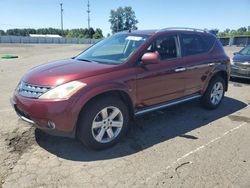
(183, 29)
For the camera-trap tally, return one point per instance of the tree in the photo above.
(227, 31)
(2, 32)
(214, 31)
(98, 34)
(129, 19)
(122, 19)
(242, 30)
(90, 33)
(71, 33)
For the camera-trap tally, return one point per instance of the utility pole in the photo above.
(61, 16)
(117, 25)
(88, 11)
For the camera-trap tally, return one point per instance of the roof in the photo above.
(141, 32)
(170, 29)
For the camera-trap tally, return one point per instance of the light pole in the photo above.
(117, 24)
(61, 5)
(88, 11)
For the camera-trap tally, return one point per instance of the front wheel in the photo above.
(214, 93)
(103, 123)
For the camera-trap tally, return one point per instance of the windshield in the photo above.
(114, 50)
(245, 51)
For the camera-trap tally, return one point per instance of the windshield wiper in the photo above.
(86, 60)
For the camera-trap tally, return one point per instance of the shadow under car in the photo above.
(148, 130)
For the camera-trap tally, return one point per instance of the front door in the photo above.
(164, 81)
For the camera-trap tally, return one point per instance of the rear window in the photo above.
(195, 44)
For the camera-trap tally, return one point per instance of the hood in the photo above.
(59, 72)
(241, 58)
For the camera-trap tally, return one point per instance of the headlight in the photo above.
(232, 61)
(63, 91)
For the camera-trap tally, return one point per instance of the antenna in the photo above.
(88, 11)
(61, 16)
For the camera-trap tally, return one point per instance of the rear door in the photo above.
(197, 58)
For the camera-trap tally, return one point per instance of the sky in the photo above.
(156, 14)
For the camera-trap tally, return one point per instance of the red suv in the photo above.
(94, 95)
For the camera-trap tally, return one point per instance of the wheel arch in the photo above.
(106, 90)
(121, 94)
(222, 74)
(217, 72)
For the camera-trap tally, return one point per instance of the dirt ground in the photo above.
(182, 146)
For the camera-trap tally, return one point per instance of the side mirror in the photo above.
(150, 58)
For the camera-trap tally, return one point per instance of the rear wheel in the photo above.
(214, 93)
(103, 123)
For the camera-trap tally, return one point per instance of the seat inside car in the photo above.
(168, 49)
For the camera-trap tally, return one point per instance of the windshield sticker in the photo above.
(134, 38)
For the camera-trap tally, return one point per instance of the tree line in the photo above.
(71, 33)
(122, 18)
(240, 31)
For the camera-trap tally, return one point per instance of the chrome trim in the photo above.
(26, 119)
(30, 90)
(237, 76)
(181, 69)
(178, 101)
(19, 115)
(211, 64)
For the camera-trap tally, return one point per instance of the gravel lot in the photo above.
(182, 146)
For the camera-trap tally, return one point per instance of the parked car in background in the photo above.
(95, 95)
(240, 64)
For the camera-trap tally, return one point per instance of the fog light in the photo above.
(51, 125)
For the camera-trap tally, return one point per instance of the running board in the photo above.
(171, 103)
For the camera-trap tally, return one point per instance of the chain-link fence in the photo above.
(236, 40)
(22, 39)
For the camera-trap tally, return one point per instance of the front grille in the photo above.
(31, 91)
(243, 64)
(239, 71)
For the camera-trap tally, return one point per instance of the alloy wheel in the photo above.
(107, 124)
(216, 93)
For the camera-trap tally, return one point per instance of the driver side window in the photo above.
(165, 46)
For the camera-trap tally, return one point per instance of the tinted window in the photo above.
(245, 51)
(165, 46)
(195, 44)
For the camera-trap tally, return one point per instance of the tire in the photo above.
(98, 123)
(210, 99)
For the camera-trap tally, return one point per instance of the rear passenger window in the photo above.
(195, 44)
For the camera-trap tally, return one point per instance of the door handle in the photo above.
(180, 69)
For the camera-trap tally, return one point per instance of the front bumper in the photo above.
(40, 112)
(240, 72)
